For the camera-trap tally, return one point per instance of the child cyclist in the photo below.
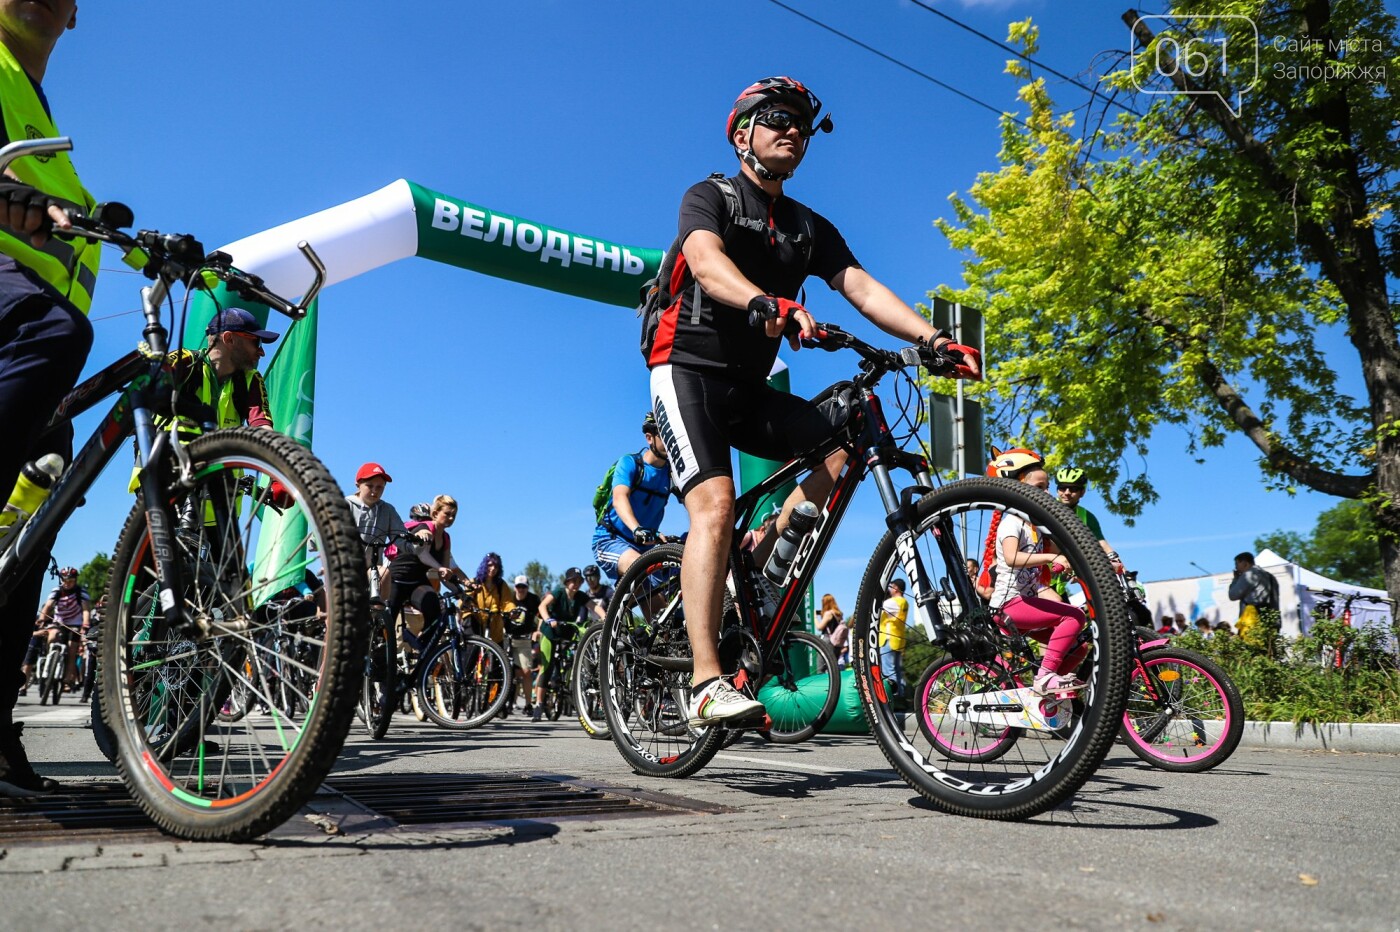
(1020, 590)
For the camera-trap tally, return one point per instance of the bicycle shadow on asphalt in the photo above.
(363, 755)
(785, 784)
(1141, 766)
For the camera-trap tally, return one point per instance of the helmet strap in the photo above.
(748, 158)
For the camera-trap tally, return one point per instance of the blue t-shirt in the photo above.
(648, 496)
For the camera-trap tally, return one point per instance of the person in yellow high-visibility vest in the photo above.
(46, 286)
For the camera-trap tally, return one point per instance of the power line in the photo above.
(1021, 55)
(895, 61)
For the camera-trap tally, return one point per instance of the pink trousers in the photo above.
(1054, 624)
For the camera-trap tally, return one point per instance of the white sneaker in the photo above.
(720, 702)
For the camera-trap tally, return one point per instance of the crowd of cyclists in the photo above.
(726, 299)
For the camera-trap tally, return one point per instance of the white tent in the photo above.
(1300, 589)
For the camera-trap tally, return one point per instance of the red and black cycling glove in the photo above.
(767, 307)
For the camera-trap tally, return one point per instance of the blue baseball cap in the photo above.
(237, 320)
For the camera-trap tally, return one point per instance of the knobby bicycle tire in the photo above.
(586, 687)
(1206, 720)
(196, 780)
(1049, 770)
(390, 698)
(372, 686)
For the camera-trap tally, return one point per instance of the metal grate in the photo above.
(420, 799)
(82, 810)
(102, 810)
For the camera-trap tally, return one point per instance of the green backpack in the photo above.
(602, 496)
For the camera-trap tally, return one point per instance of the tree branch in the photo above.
(1279, 457)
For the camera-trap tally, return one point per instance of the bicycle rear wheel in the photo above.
(802, 693)
(161, 689)
(1063, 742)
(1184, 713)
(588, 695)
(644, 667)
(941, 705)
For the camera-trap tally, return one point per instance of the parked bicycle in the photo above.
(645, 661)
(219, 523)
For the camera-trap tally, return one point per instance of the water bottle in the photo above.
(800, 524)
(32, 487)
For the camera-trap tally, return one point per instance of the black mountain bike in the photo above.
(209, 540)
(459, 677)
(645, 662)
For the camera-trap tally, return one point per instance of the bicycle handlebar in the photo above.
(939, 362)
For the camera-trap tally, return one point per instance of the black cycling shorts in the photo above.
(702, 415)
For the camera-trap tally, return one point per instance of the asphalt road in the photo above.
(818, 836)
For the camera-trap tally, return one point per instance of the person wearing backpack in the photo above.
(726, 294)
(630, 503)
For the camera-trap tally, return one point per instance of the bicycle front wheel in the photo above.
(1184, 712)
(463, 686)
(588, 696)
(1062, 742)
(163, 688)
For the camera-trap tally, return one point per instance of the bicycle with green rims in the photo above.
(222, 524)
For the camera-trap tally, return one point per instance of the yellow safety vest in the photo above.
(226, 412)
(70, 266)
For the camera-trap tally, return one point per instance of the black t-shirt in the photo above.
(529, 621)
(719, 336)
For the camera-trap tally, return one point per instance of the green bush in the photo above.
(1299, 680)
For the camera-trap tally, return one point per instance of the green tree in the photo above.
(1342, 546)
(1173, 268)
(92, 575)
(541, 580)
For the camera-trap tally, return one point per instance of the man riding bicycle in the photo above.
(641, 483)
(563, 613)
(745, 250)
(66, 612)
(46, 288)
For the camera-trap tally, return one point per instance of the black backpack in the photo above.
(656, 294)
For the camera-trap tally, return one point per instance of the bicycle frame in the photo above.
(872, 450)
(132, 378)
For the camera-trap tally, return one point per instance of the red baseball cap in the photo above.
(369, 471)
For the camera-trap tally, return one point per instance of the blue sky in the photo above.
(225, 119)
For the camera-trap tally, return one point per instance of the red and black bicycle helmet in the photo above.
(767, 92)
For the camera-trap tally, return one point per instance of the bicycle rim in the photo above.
(1063, 742)
(1184, 714)
(197, 777)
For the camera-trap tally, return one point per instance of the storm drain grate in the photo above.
(421, 799)
(81, 810)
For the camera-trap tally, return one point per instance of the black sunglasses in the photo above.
(781, 121)
(1073, 488)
